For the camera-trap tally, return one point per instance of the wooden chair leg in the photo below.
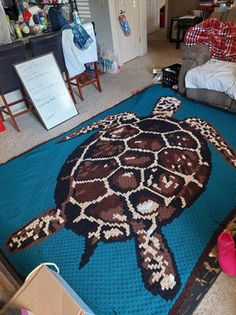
(70, 86)
(97, 76)
(10, 113)
(79, 87)
(26, 100)
(1, 116)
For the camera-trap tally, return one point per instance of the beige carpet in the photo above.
(137, 74)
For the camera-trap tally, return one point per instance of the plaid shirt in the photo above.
(219, 37)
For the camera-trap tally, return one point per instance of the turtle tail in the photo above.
(36, 230)
(213, 136)
(90, 246)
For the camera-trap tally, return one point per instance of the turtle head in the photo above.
(166, 106)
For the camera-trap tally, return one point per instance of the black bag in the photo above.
(56, 18)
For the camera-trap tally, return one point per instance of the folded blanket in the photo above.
(219, 37)
(214, 75)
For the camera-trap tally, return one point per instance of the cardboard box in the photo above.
(47, 293)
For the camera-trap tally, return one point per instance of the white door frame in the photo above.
(166, 17)
(142, 22)
(157, 6)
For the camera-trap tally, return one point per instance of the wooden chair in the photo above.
(86, 56)
(85, 79)
(9, 82)
(51, 43)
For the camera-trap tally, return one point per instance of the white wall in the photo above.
(184, 7)
(97, 11)
(104, 15)
(115, 25)
(143, 22)
(153, 14)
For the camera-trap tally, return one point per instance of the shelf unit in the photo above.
(71, 3)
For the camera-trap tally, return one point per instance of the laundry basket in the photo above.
(170, 75)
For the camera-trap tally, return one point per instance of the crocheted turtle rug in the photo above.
(129, 204)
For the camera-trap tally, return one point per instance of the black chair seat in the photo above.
(9, 55)
(41, 45)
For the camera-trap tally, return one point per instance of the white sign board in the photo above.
(45, 86)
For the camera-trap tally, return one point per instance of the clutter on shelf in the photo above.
(33, 16)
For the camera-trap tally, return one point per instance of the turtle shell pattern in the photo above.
(130, 179)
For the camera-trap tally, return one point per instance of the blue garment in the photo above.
(56, 18)
(81, 38)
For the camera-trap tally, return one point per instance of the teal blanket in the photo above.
(126, 207)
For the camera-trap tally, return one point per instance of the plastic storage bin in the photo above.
(171, 75)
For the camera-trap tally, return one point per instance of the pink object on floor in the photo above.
(133, 92)
(26, 312)
(225, 241)
(226, 253)
(2, 127)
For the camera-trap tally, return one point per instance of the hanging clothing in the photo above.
(73, 62)
(75, 58)
(81, 38)
(56, 18)
(5, 37)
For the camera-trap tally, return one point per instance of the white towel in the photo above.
(73, 62)
(75, 58)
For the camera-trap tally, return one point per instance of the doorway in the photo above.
(130, 46)
(156, 15)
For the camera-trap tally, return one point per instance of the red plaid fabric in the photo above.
(219, 37)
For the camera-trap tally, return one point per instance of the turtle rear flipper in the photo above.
(36, 230)
(213, 136)
(157, 264)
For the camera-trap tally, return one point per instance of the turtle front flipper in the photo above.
(109, 122)
(159, 273)
(212, 135)
(37, 230)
